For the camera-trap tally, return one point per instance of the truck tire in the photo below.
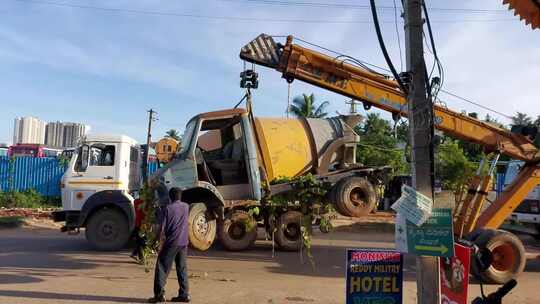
(508, 256)
(107, 229)
(202, 229)
(238, 231)
(354, 196)
(289, 235)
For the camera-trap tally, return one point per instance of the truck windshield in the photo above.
(188, 135)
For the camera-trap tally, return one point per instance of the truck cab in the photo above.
(527, 214)
(98, 188)
(216, 168)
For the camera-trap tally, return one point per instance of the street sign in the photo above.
(434, 238)
(454, 276)
(415, 206)
(374, 276)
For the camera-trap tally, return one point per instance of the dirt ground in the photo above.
(42, 265)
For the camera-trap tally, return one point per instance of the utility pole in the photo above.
(151, 113)
(421, 130)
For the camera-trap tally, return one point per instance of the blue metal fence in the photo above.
(499, 186)
(24, 173)
(152, 167)
(40, 174)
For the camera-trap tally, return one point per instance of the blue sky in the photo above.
(107, 68)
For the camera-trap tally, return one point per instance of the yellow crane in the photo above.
(471, 220)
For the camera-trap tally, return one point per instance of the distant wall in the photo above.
(41, 174)
(23, 173)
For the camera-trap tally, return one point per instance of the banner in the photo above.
(454, 276)
(374, 276)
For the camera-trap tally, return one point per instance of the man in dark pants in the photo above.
(173, 222)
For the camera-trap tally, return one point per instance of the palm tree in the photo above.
(305, 106)
(173, 133)
(521, 119)
(537, 121)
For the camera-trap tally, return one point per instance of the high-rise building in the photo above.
(29, 130)
(64, 134)
(54, 134)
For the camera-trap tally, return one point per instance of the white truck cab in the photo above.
(98, 188)
(528, 212)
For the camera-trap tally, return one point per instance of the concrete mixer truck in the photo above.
(227, 166)
(229, 159)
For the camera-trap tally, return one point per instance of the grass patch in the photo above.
(27, 199)
(11, 221)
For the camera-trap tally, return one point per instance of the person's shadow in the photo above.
(67, 296)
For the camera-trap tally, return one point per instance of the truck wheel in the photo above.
(508, 256)
(238, 231)
(354, 196)
(289, 235)
(107, 229)
(202, 229)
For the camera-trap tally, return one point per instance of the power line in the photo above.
(357, 6)
(398, 39)
(476, 104)
(380, 148)
(231, 18)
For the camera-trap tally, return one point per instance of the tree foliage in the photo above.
(173, 133)
(378, 146)
(452, 166)
(521, 119)
(306, 106)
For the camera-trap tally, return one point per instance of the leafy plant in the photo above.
(22, 199)
(378, 144)
(249, 225)
(326, 217)
(308, 195)
(147, 230)
(63, 161)
(452, 166)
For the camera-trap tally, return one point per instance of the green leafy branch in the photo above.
(147, 230)
(309, 196)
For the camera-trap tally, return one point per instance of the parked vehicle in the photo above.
(98, 189)
(32, 150)
(527, 213)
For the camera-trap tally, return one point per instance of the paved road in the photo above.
(44, 266)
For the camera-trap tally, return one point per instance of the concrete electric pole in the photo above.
(421, 131)
(151, 113)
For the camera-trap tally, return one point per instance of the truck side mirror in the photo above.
(84, 158)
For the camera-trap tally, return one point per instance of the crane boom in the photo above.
(341, 75)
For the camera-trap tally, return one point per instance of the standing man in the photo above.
(173, 222)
